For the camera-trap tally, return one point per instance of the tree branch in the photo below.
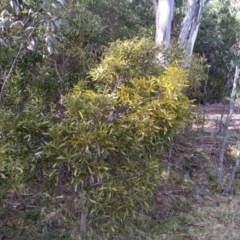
(5, 80)
(11, 70)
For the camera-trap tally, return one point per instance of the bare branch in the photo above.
(6, 79)
(56, 69)
(10, 71)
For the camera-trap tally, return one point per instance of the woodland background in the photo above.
(101, 130)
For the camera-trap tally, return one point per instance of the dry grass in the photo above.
(218, 219)
(217, 222)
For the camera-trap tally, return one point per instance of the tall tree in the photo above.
(190, 26)
(164, 10)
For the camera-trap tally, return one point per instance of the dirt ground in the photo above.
(213, 114)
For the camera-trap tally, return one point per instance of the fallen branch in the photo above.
(15, 205)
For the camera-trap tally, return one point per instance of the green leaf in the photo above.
(3, 176)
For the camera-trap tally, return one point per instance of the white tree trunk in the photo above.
(155, 5)
(164, 20)
(190, 26)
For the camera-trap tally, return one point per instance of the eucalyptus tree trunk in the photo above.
(190, 26)
(164, 10)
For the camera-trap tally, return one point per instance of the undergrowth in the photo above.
(181, 208)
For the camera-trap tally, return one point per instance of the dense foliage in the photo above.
(106, 150)
(218, 41)
(86, 115)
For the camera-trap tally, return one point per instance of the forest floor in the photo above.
(213, 114)
(187, 205)
(193, 205)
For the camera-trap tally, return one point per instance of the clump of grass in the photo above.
(219, 222)
(215, 221)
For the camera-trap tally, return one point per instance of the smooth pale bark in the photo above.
(155, 5)
(164, 21)
(190, 26)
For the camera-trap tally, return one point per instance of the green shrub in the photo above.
(21, 132)
(107, 149)
(124, 61)
(196, 79)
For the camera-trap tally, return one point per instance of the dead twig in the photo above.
(16, 205)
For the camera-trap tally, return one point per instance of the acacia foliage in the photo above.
(108, 148)
(105, 151)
